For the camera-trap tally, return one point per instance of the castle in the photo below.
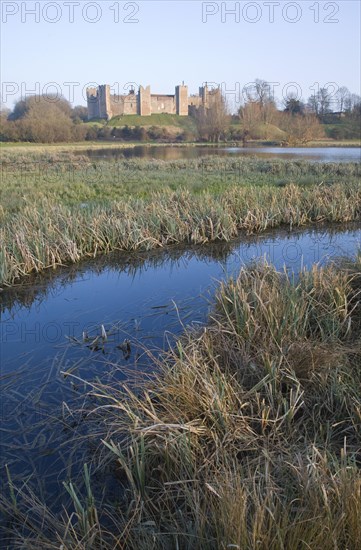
(103, 104)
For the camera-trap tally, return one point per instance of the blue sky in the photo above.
(173, 41)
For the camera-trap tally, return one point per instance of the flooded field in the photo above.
(141, 301)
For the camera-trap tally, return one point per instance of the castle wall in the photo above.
(203, 93)
(131, 104)
(116, 105)
(101, 104)
(195, 101)
(124, 104)
(163, 104)
(212, 97)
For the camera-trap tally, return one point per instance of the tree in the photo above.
(250, 118)
(351, 101)
(294, 106)
(91, 133)
(140, 133)
(20, 109)
(341, 96)
(40, 103)
(319, 103)
(324, 98)
(212, 122)
(79, 113)
(259, 92)
(45, 119)
(8, 130)
(300, 129)
(313, 104)
(356, 111)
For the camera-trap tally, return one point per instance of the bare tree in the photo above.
(324, 101)
(250, 116)
(212, 122)
(79, 113)
(300, 129)
(320, 103)
(351, 101)
(313, 104)
(341, 96)
(259, 92)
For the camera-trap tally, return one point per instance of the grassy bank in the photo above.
(57, 209)
(160, 120)
(335, 143)
(248, 436)
(8, 149)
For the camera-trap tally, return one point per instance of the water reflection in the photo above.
(173, 152)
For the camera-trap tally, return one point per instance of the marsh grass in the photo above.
(49, 221)
(73, 180)
(247, 436)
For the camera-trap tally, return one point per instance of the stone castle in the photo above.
(103, 104)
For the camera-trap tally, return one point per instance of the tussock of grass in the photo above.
(247, 437)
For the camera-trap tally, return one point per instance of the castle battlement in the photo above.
(103, 104)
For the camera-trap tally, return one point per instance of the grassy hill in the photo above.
(162, 119)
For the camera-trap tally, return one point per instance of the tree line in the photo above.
(47, 119)
(300, 122)
(43, 119)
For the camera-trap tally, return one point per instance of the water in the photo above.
(146, 298)
(316, 154)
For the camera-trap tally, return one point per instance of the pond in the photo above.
(316, 154)
(142, 300)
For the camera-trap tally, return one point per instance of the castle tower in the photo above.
(181, 97)
(98, 101)
(145, 105)
(203, 92)
(105, 110)
(92, 103)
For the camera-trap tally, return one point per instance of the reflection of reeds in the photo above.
(247, 437)
(38, 286)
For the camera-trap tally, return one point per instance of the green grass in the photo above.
(57, 209)
(343, 129)
(34, 148)
(335, 143)
(182, 122)
(269, 132)
(247, 437)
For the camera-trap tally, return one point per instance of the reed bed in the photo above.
(48, 235)
(77, 180)
(247, 437)
(57, 208)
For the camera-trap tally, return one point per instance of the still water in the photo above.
(320, 154)
(146, 298)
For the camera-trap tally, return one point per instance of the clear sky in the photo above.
(161, 43)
